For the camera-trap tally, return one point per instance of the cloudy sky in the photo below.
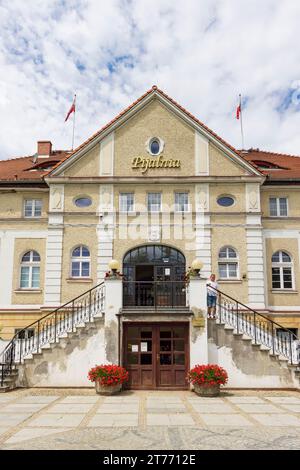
(201, 52)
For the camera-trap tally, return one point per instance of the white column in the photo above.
(198, 330)
(54, 248)
(255, 248)
(113, 305)
(203, 231)
(105, 230)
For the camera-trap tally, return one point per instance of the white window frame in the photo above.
(30, 265)
(120, 203)
(33, 208)
(160, 205)
(80, 259)
(178, 206)
(227, 261)
(277, 198)
(281, 265)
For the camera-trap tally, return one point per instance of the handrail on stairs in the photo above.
(260, 328)
(50, 327)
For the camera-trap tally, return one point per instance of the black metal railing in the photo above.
(280, 340)
(51, 327)
(154, 294)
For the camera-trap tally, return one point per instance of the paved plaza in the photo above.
(80, 419)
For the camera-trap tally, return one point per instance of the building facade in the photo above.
(154, 189)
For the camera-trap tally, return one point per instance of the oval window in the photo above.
(154, 146)
(83, 202)
(225, 201)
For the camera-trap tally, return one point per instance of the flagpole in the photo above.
(73, 135)
(242, 130)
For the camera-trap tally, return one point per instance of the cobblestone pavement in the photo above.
(80, 419)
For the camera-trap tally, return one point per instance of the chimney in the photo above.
(44, 148)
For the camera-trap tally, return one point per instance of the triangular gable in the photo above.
(135, 107)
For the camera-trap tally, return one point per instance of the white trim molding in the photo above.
(105, 230)
(202, 227)
(252, 197)
(106, 155)
(201, 155)
(255, 267)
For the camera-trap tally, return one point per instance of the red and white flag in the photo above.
(239, 109)
(72, 109)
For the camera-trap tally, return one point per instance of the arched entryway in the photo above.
(154, 277)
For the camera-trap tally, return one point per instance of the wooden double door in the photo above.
(156, 355)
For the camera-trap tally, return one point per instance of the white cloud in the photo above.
(201, 52)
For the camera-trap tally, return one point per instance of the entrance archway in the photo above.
(154, 277)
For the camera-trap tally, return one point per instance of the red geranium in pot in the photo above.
(207, 379)
(108, 378)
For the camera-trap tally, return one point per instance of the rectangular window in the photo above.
(25, 277)
(75, 268)
(228, 270)
(181, 202)
(126, 202)
(278, 206)
(287, 278)
(32, 208)
(154, 202)
(282, 278)
(30, 277)
(35, 277)
(276, 278)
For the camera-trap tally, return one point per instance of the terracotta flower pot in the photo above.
(212, 391)
(107, 389)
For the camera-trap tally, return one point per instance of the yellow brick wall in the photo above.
(290, 245)
(22, 245)
(74, 236)
(12, 203)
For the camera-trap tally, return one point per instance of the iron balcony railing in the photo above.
(51, 327)
(280, 340)
(154, 294)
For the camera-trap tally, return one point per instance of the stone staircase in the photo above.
(244, 338)
(52, 333)
(253, 335)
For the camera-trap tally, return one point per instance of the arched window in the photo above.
(30, 270)
(228, 263)
(282, 271)
(80, 262)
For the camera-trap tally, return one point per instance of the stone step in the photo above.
(283, 358)
(246, 337)
(263, 347)
(5, 388)
(228, 327)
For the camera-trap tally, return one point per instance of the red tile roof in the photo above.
(288, 166)
(27, 168)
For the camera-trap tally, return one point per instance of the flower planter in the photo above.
(207, 378)
(108, 378)
(107, 389)
(212, 391)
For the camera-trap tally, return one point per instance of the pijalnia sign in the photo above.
(144, 164)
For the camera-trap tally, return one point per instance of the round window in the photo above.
(225, 201)
(154, 146)
(83, 202)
